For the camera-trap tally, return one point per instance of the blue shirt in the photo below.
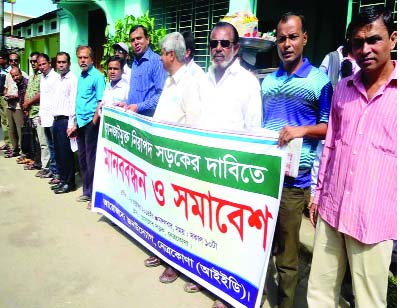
(303, 98)
(147, 81)
(91, 84)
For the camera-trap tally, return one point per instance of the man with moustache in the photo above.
(48, 86)
(231, 99)
(296, 103)
(355, 201)
(89, 95)
(31, 105)
(11, 90)
(14, 112)
(63, 111)
(147, 75)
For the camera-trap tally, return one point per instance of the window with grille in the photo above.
(198, 16)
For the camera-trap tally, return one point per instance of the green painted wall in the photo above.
(49, 44)
(74, 21)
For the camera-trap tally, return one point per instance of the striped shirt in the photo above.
(48, 97)
(66, 94)
(357, 188)
(303, 98)
(147, 81)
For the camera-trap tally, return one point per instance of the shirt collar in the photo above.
(145, 56)
(49, 73)
(175, 78)
(232, 69)
(89, 71)
(302, 72)
(119, 84)
(66, 76)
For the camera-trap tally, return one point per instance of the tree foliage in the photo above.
(122, 28)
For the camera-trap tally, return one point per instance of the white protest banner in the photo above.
(205, 202)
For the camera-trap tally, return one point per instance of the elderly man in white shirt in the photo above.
(64, 113)
(232, 100)
(179, 103)
(48, 84)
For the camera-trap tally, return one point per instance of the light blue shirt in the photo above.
(91, 84)
(147, 81)
(303, 98)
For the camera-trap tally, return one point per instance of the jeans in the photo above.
(48, 131)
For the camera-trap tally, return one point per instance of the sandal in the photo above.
(83, 198)
(192, 287)
(21, 158)
(220, 304)
(89, 205)
(10, 155)
(32, 167)
(152, 261)
(54, 181)
(169, 275)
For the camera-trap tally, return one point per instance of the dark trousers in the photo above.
(286, 241)
(63, 154)
(48, 131)
(87, 144)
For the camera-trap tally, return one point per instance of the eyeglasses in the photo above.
(224, 43)
(14, 60)
(120, 51)
(33, 61)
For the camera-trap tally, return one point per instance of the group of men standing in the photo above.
(37, 108)
(356, 190)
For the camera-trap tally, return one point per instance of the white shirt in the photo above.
(48, 97)
(126, 75)
(116, 93)
(66, 97)
(234, 103)
(180, 99)
(195, 70)
(10, 85)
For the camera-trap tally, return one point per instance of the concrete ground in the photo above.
(55, 253)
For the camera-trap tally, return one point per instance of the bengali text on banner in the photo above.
(205, 202)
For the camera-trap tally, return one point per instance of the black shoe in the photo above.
(64, 189)
(57, 186)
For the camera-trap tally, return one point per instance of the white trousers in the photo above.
(369, 267)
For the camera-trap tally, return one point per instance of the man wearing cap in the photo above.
(121, 50)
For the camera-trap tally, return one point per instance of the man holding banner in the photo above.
(179, 103)
(232, 100)
(296, 103)
(355, 200)
(192, 196)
